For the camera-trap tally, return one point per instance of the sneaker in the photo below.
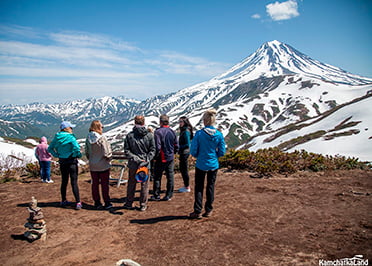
(184, 189)
(143, 208)
(195, 215)
(50, 181)
(64, 203)
(155, 198)
(79, 206)
(166, 198)
(44, 181)
(207, 214)
(108, 206)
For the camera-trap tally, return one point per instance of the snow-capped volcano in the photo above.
(270, 89)
(275, 59)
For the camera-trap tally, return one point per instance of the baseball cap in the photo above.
(142, 174)
(66, 124)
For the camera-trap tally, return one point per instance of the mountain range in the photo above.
(276, 97)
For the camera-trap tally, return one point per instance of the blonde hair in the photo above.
(209, 117)
(96, 126)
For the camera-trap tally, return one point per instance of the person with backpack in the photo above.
(65, 147)
(166, 146)
(44, 158)
(186, 135)
(207, 146)
(99, 153)
(139, 147)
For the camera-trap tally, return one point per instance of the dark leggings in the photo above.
(184, 168)
(69, 170)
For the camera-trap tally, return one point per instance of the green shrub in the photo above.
(268, 161)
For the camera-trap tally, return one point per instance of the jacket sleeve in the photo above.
(221, 148)
(107, 152)
(152, 148)
(157, 138)
(36, 154)
(127, 151)
(194, 150)
(76, 149)
(87, 148)
(52, 148)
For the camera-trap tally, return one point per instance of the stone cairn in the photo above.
(36, 226)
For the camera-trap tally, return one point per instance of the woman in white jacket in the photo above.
(99, 153)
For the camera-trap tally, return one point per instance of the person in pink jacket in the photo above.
(44, 158)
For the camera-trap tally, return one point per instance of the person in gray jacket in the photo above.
(98, 152)
(139, 147)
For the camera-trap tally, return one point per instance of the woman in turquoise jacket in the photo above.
(207, 146)
(65, 147)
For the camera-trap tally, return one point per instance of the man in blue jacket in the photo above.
(166, 146)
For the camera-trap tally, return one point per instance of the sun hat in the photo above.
(142, 174)
(66, 124)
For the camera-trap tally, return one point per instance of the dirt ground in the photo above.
(295, 220)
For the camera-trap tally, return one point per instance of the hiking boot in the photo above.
(65, 203)
(166, 198)
(195, 215)
(155, 198)
(128, 207)
(184, 189)
(98, 205)
(79, 206)
(108, 206)
(207, 214)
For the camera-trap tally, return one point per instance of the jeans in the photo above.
(160, 167)
(184, 168)
(69, 169)
(199, 187)
(45, 170)
(131, 189)
(102, 178)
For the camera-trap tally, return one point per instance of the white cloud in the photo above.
(31, 59)
(282, 11)
(256, 16)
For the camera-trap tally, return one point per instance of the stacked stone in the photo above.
(36, 225)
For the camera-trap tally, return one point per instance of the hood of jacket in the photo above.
(140, 130)
(93, 137)
(210, 130)
(64, 137)
(43, 140)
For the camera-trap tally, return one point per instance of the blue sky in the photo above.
(53, 51)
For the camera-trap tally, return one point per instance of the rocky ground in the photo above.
(294, 220)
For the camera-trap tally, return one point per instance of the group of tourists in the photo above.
(144, 149)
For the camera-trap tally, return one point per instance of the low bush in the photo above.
(268, 161)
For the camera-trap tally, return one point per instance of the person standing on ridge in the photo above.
(65, 147)
(139, 146)
(44, 158)
(207, 146)
(186, 135)
(99, 153)
(166, 146)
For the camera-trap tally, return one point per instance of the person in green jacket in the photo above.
(65, 147)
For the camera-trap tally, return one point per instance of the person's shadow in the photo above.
(113, 210)
(159, 219)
